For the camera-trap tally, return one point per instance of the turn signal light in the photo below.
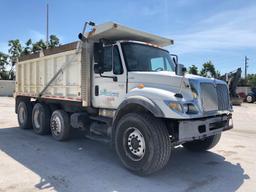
(140, 86)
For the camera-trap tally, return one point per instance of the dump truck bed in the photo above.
(35, 71)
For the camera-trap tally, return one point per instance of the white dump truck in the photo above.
(119, 85)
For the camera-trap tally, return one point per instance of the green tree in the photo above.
(251, 78)
(14, 51)
(193, 70)
(209, 70)
(37, 46)
(3, 64)
(242, 82)
(54, 41)
(28, 48)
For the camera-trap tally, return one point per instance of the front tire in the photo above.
(24, 113)
(60, 125)
(142, 143)
(41, 119)
(202, 145)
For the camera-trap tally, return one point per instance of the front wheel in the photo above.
(142, 143)
(203, 144)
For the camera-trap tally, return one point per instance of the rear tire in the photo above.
(202, 145)
(24, 113)
(60, 125)
(41, 119)
(250, 98)
(142, 143)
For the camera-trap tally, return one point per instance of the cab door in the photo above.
(109, 87)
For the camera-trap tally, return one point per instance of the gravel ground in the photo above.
(29, 162)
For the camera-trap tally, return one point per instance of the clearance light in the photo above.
(140, 86)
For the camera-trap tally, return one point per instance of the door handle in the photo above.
(115, 79)
(96, 90)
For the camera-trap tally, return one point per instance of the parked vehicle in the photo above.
(251, 97)
(119, 84)
(232, 78)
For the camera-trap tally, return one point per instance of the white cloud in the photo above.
(36, 35)
(232, 29)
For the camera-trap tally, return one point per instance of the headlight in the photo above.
(175, 106)
(190, 108)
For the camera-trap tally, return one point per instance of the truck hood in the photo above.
(165, 79)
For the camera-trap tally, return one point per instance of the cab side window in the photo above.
(107, 66)
(112, 60)
(117, 64)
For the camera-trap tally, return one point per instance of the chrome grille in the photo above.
(209, 97)
(213, 97)
(223, 97)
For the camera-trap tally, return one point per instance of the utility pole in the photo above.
(47, 25)
(245, 67)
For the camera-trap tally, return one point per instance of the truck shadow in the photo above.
(85, 165)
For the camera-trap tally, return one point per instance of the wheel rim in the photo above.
(134, 143)
(22, 115)
(249, 99)
(56, 125)
(37, 119)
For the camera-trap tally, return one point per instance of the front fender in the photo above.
(151, 99)
(158, 96)
(143, 102)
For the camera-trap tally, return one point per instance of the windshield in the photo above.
(141, 57)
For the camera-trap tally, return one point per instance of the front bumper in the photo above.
(190, 130)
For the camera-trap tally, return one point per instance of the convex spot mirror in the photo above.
(181, 70)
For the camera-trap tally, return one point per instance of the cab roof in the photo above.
(115, 32)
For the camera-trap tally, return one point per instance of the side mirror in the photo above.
(81, 37)
(180, 69)
(98, 69)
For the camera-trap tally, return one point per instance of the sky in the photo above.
(223, 32)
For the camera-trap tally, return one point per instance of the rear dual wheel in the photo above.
(24, 112)
(43, 121)
(60, 125)
(41, 115)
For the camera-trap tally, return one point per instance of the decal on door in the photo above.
(105, 92)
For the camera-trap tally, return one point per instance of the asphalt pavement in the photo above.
(30, 162)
